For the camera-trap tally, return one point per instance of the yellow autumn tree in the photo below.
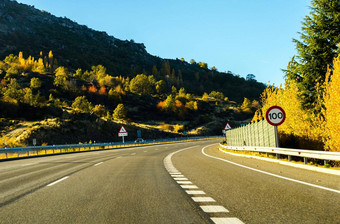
(332, 111)
(299, 123)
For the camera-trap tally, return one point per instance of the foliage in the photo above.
(35, 83)
(120, 112)
(331, 111)
(250, 77)
(205, 97)
(160, 86)
(170, 104)
(178, 128)
(246, 105)
(217, 95)
(316, 50)
(203, 65)
(13, 90)
(99, 110)
(192, 105)
(60, 76)
(114, 96)
(307, 127)
(82, 104)
(141, 85)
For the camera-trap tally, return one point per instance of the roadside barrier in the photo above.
(256, 134)
(21, 152)
(305, 154)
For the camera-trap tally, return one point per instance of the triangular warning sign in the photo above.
(227, 126)
(122, 130)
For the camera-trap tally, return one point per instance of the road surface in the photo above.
(172, 183)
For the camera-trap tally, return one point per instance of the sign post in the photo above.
(122, 133)
(275, 116)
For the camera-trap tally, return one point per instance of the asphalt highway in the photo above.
(172, 183)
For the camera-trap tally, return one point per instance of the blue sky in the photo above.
(245, 37)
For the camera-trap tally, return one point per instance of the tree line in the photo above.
(311, 93)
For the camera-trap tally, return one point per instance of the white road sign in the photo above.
(275, 115)
(122, 132)
(227, 126)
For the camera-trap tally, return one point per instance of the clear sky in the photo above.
(242, 36)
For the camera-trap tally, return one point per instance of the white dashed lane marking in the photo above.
(98, 164)
(191, 189)
(57, 181)
(189, 186)
(226, 220)
(184, 182)
(194, 192)
(180, 178)
(203, 199)
(177, 175)
(213, 208)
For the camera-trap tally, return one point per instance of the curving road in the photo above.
(135, 185)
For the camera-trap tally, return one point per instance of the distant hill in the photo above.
(24, 28)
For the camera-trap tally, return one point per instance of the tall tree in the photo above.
(315, 50)
(332, 113)
(120, 112)
(60, 76)
(140, 85)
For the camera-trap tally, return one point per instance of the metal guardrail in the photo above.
(305, 154)
(18, 152)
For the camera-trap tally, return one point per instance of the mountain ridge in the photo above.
(77, 46)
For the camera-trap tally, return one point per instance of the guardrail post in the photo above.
(325, 162)
(277, 156)
(305, 160)
(289, 158)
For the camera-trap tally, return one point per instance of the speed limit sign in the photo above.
(275, 115)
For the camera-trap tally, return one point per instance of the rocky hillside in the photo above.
(24, 28)
(61, 82)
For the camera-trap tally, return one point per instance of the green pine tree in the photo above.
(318, 46)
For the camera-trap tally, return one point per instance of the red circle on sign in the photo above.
(283, 115)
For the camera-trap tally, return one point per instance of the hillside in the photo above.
(73, 84)
(77, 46)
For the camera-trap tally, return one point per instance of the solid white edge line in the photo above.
(302, 166)
(98, 164)
(270, 174)
(57, 181)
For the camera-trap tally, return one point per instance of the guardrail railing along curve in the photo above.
(18, 152)
(321, 155)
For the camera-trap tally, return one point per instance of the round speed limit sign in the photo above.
(275, 115)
